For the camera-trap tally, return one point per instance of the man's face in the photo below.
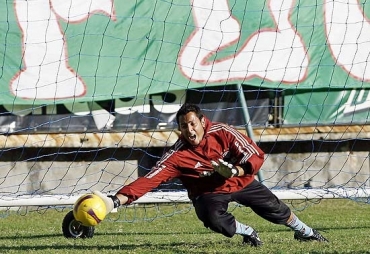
(192, 128)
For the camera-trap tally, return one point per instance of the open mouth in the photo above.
(192, 137)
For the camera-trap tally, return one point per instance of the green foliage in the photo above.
(345, 223)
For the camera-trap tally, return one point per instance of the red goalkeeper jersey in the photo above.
(189, 163)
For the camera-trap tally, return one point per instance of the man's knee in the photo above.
(275, 211)
(220, 222)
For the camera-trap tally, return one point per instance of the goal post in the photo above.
(181, 197)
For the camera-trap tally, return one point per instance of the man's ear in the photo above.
(203, 121)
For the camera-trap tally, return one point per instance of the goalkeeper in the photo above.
(217, 165)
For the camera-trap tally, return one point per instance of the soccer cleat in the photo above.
(315, 237)
(252, 239)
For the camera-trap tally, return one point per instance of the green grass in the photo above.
(345, 223)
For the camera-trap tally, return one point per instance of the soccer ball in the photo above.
(89, 210)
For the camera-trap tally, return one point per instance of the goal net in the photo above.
(90, 89)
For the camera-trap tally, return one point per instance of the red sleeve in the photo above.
(162, 172)
(249, 153)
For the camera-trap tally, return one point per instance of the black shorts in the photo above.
(211, 208)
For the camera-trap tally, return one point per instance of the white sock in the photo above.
(242, 229)
(297, 225)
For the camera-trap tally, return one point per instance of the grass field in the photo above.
(345, 223)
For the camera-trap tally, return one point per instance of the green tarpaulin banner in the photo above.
(76, 50)
(323, 107)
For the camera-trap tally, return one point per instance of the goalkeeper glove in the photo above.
(110, 202)
(225, 169)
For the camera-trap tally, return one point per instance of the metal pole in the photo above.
(248, 124)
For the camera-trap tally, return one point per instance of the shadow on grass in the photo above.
(101, 247)
(277, 230)
(11, 237)
(173, 247)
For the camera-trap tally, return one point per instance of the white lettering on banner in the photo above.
(272, 54)
(23, 110)
(277, 54)
(357, 101)
(160, 103)
(132, 105)
(125, 106)
(163, 106)
(77, 108)
(46, 73)
(348, 33)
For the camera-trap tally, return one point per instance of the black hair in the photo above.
(186, 108)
